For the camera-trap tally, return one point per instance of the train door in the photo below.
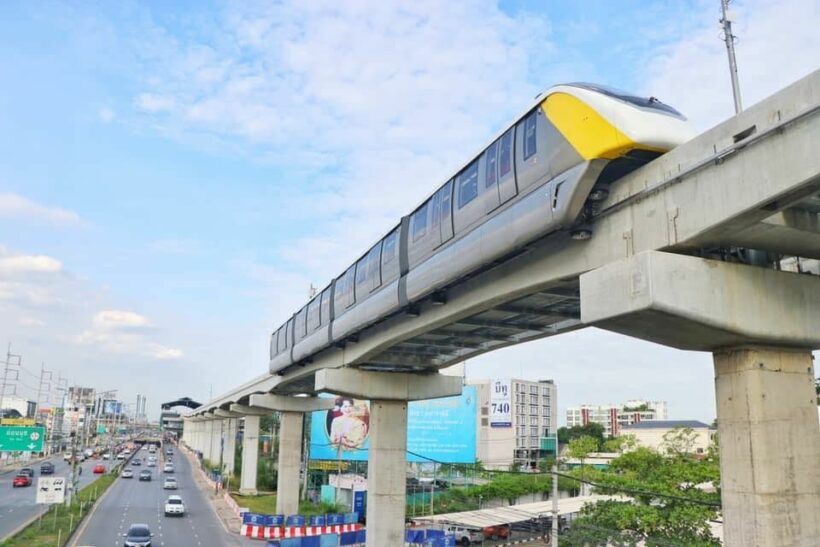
(446, 206)
(492, 197)
(506, 167)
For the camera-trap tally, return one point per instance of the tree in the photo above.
(579, 449)
(679, 441)
(566, 434)
(621, 443)
(664, 503)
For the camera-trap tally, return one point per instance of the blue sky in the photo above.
(174, 176)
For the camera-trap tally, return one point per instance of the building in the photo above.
(24, 407)
(614, 417)
(656, 434)
(517, 422)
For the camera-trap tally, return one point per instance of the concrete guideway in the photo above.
(753, 181)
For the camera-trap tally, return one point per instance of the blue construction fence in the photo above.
(421, 538)
(257, 519)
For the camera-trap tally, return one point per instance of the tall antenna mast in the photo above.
(729, 38)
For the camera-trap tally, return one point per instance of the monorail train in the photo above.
(541, 174)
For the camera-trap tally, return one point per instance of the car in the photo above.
(138, 535)
(174, 507)
(145, 475)
(88, 452)
(170, 483)
(465, 536)
(107, 456)
(21, 480)
(169, 468)
(26, 471)
(136, 461)
(127, 473)
(67, 456)
(169, 451)
(46, 468)
(99, 468)
(151, 463)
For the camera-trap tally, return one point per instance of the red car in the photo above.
(21, 480)
(99, 468)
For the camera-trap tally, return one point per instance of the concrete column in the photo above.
(216, 440)
(769, 446)
(206, 439)
(250, 455)
(229, 450)
(290, 459)
(386, 473)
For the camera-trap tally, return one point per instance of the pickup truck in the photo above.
(465, 536)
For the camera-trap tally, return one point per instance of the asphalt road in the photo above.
(130, 501)
(17, 504)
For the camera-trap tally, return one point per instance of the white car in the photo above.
(170, 483)
(174, 506)
(169, 468)
(107, 456)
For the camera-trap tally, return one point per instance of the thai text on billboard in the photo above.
(501, 403)
(441, 430)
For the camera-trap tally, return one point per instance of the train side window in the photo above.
(280, 340)
(490, 179)
(340, 295)
(324, 316)
(390, 257)
(374, 258)
(505, 154)
(350, 291)
(446, 204)
(390, 246)
(313, 314)
(420, 222)
(301, 324)
(530, 135)
(288, 333)
(467, 183)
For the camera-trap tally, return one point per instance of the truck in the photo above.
(464, 535)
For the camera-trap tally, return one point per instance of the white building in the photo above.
(22, 405)
(517, 421)
(614, 417)
(653, 434)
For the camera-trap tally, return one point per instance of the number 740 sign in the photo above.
(21, 439)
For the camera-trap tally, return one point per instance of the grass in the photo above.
(266, 505)
(56, 524)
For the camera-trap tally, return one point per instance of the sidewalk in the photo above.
(225, 511)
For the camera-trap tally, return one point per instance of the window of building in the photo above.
(505, 154)
(485, 422)
(490, 178)
(467, 184)
(485, 411)
(533, 409)
(530, 135)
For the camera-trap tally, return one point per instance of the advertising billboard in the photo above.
(440, 430)
(501, 403)
(112, 407)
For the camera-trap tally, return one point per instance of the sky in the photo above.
(175, 175)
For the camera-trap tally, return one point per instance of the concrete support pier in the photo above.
(760, 325)
(290, 459)
(229, 450)
(769, 446)
(389, 393)
(216, 441)
(250, 455)
(387, 473)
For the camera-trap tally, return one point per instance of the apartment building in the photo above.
(615, 417)
(517, 421)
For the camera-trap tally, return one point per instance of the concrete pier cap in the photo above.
(698, 304)
(285, 403)
(387, 386)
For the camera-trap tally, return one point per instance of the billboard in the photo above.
(440, 430)
(501, 403)
(51, 490)
(110, 406)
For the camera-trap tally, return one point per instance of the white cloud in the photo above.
(153, 103)
(17, 206)
(106, 114)
(120, 320)
(22, 264)
(30, 322)
(174, 247)
(778, 43)
(124, 332)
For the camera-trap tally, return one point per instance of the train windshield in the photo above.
(643, 102)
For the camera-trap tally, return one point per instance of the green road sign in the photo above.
(21, 439)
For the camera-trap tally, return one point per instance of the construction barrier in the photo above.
(276, 532)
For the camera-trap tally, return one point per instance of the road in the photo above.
(131, 501)
(17, 504)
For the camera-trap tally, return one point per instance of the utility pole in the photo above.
(555, 518)
(729, 39)
(45, 380)
(9, 366)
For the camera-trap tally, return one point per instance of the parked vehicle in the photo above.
(465, 536)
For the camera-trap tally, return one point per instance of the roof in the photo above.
(511, 514)
(667, 424)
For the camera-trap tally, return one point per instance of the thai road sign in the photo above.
(51, 489)
(21, 439)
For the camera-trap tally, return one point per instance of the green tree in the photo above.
(566, 434)
(621, 443)
(664, 502)
(580, 448)
(679, 441)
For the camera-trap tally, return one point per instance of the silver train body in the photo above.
(535, 178)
